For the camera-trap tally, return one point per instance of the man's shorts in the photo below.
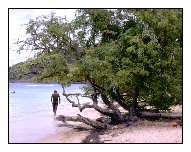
(55, 102)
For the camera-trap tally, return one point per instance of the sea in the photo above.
(30, 110)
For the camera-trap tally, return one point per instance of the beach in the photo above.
(142, 131)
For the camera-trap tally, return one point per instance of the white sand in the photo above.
(145, 132)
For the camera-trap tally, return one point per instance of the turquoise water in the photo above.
(30, 110)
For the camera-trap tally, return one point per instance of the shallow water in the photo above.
(30, 110)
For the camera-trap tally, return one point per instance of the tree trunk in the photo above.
(160, 115)
(116, 116)
(133, 109)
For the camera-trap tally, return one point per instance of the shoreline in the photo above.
(30, 81)
(72, 132)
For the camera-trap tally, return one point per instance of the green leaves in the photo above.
(128, 48)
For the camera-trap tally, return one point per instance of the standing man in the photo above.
(55, 98)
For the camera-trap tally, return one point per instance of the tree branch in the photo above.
(79, 118)
(81, 107)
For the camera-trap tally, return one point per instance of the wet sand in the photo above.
(72, 132)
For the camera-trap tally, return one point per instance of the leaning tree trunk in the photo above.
(133, 108)
(116, 116)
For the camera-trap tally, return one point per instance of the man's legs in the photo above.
(55, 108)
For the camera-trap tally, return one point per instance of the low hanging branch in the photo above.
(81, 108)
(96, 124)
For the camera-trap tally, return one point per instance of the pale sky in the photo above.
(17, 19)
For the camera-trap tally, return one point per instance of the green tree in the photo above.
(132, 57)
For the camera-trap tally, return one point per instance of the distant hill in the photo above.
(21, 72)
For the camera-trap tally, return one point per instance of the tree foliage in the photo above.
(139, 51)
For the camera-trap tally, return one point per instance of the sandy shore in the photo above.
(145, 132)
(142, 131)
